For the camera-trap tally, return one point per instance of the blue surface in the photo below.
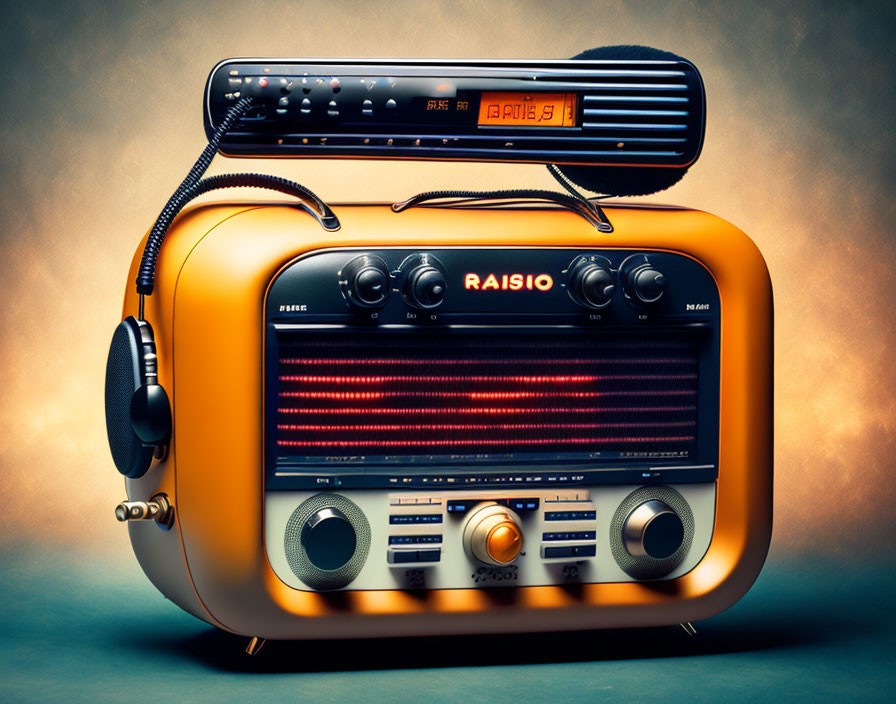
(808, 630)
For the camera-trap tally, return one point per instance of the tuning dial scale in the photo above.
(365, 282)
(643, 284)
(425, 283)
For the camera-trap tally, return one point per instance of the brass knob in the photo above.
(492, 534)
(504, 542)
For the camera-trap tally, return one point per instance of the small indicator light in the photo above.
(263, 82)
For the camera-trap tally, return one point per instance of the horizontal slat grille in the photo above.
(633, 107)
(439, 394)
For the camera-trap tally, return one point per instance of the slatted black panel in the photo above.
(440, 393)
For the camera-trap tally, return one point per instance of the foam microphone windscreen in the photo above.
(626, 180)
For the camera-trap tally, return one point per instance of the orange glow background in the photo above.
(102, 118)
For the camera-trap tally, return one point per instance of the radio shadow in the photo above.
(781, 630)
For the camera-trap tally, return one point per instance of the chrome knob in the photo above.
(653, 530)
(329, 539)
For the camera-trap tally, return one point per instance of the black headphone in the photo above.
(624, 180)
(138, 413)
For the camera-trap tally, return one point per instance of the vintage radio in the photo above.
(455, 418)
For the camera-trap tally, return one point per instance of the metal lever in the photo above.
(158, 509)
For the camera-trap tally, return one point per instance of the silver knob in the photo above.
(653, 530)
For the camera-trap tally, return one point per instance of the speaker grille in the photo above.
(502, 396)
(297, 558)
(647, 567)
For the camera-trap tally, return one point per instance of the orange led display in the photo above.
(528, 109)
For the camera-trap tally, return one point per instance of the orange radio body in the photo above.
(505, 560)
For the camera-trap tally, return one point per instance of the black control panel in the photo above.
(495, 286)
(480, 367)
(630, 113)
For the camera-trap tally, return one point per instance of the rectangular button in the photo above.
(414, 539)
(400, 556)
(404, 519)
(571, 535)
(430, 555)
(570, 515)
(556, 551)
(584, 551)
(523, 504)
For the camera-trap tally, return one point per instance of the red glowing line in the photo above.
(486, 395)
(323, 361)
(486, 411)
(441, 443)
(481, 426)
(565, 379)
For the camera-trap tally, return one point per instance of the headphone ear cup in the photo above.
(124, 377)
(151, 414)
(624, 180)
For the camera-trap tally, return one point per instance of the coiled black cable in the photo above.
(147, 271)
(191, 187)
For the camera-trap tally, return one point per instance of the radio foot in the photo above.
(688, 628)
(255, 645)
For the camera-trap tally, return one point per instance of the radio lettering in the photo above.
(509, 282)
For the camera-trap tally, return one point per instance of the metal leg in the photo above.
(688, 628)
(255, 644)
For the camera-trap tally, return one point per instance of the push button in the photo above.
(398, 557)
(429, 555)
(556, 551)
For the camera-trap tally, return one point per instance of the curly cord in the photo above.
(146, 274)
(191, 187)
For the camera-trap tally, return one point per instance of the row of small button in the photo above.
(463, 505)
(414, 539)
(574, 535)
(415, 518)
(415, 500)
(570, 515)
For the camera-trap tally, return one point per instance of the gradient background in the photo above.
(102, 117)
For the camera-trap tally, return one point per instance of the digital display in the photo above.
(528, 109)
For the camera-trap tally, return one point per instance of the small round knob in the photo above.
(654, 530)
(329, 539)
(365, 282)
(425, 287)
(493, 535)
(591, 283)
(644, 283)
